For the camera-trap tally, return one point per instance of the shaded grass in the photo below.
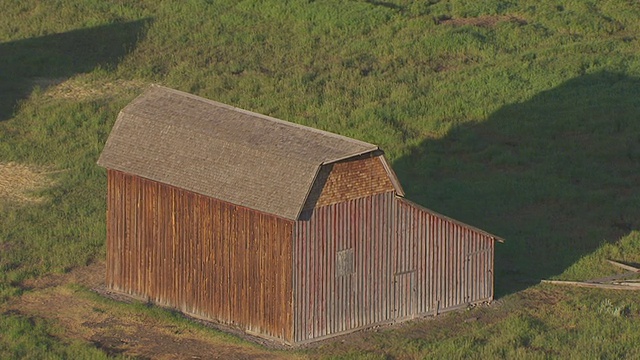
(554, 175)
(46, 60)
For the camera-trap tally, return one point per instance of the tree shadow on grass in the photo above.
(556, 176)
(51, 59)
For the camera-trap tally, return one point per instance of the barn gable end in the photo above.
(349, 179)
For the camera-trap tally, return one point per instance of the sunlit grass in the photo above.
(25, 337)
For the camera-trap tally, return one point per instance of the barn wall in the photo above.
(203, 256)
(325, 301)
(407, 261)
(453, 262)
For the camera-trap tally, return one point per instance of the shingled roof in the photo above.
(223, 152)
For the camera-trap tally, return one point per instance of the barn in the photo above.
(281, 230)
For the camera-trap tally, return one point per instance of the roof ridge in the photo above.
(270, 118)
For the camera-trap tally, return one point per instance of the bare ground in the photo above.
(120, 330)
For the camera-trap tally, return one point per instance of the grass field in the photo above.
(519, 117)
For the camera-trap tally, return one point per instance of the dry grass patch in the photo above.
(19, 182)
(79, 90)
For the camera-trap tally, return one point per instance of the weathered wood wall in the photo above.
(200, 255)
(327, 302)
(381, 258)
(452, 261)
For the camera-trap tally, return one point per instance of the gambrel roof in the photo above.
(217, 150)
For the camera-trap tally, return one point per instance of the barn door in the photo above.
(478, 268)
(405, 295)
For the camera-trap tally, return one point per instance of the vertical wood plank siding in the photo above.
(407, 261)
(203, 256)
(453, 261)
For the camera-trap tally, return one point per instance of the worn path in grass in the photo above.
(123, 329)
(117, 329)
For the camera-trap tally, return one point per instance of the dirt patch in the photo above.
(20, 182)
(91, 276)
(118, 329)
(273, 344)
(481, 21)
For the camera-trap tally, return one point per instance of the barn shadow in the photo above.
(51, 59)
(556, 176)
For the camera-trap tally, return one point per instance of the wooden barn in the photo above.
(281, 230)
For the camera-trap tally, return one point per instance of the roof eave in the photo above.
(471, 227)
(392, 176)
(310, 186)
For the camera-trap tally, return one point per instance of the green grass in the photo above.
(527, 128)
(32, 338)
